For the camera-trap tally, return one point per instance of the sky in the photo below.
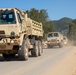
(56, 9)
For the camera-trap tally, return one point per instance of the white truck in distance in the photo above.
(19, 34)
(54, 39)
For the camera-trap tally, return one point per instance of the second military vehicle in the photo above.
(55, 39)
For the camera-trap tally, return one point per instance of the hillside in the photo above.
(62, 24)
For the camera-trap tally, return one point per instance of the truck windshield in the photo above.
(7, 17)
(50, 35)
(55, 34)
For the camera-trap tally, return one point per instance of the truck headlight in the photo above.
(12, 34)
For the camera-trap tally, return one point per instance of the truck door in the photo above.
(19, 21)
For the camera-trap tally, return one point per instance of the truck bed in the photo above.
(34, 28)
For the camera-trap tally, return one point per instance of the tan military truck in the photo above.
(19, 34)
(54, 39)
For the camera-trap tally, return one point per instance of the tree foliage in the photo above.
(38, 15)
(48, 27)
(72, 29)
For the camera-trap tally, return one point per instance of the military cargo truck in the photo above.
(55, 39)
(19, 34)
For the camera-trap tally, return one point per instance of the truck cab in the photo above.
(10, 22)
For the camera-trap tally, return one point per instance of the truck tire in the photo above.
(12, 55)
(23, 52)
(6, 55)
(60, 45)
(49, 46)
(40, 48)
(35, 50)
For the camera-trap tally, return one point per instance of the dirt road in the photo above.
(54, 61)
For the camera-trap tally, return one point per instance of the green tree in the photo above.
(48, 27)
(38, 15)
(72, 30)
(43, 15)
(33, 14)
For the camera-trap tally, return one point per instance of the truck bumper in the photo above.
(8, 48)
(53, 43)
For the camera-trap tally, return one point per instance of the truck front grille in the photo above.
(53, 40)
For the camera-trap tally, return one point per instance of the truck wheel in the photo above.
(35, 50)
(6, 55)
(40, 48)
(49, 46)
(23, 52)
(12, 55)
(60, 45)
